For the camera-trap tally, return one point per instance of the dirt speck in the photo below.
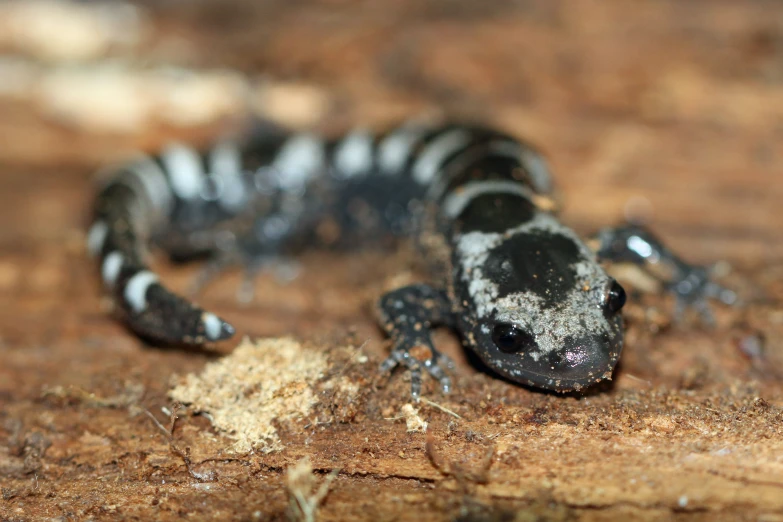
(412, 419)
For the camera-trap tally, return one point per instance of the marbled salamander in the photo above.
(523, 291)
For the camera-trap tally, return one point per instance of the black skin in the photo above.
(408, 314)
(167, 317)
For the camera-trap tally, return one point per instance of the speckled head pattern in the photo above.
(517, 267)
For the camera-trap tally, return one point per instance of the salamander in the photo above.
(524, 292)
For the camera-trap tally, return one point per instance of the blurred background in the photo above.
(668, 110)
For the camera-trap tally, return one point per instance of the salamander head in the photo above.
(544, 312)
(564, 347)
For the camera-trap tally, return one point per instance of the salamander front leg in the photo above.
(408, 315)
(691, 284)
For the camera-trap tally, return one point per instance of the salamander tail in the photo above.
(115, 238)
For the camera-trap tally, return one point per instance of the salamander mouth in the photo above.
(556, 381)
(580, 363)
(566, 385)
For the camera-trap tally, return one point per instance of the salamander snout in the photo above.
(583, 360)
(578, 362)
(544, 359)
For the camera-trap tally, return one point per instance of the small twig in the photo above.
(639, 379)
(173, 416)
(158, 424)
(209, 476)
(441, 408)
(352, 359)
(304, 498)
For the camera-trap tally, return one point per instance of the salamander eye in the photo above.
(511, 339)
(615, 297)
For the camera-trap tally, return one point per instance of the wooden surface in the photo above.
(670, 110)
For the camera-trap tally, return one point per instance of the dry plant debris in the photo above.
(304, 494)
(262, 382)
(412, 419)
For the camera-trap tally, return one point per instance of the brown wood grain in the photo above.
(672, 109)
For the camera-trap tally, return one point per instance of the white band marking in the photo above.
(394, 151)
(111, 267)
(136, 290)
(429, 161)
(186, 173)
(225, 163)
(153, 181)
(533, 163)
(298, 159)
(460, 197)
(354, 154)
(96, 237)
(212, 325)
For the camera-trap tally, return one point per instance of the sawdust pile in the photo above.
(260, 382)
